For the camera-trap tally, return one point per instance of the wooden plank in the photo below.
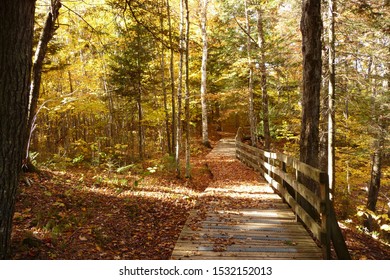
(246, 255)
(281, 236)
(205, 258)
(250, 242)
(246, 249)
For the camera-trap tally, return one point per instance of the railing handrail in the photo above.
(284, 182)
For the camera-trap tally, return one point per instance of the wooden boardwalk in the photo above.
(240, 217)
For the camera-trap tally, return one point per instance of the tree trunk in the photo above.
(141, 137)
(203, 87)
(187, 83)
(40, 53)
(331, 97)
(311, 27)
(164, 90)
(375, 181)
(263, 71)
(379, 124)
(251, 113)
(180, 90)
(172, 76)
(16, 39)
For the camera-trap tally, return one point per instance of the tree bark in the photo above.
(203, 87)
(16, 39)
(311, 28)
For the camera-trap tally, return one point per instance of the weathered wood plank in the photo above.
(245, 255)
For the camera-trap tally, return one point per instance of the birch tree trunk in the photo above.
(164, 90)
(180, 90)
(251, 114)
(263, 71)
(16, 40)
(203, 87)
(172, 77)
(187, 95)
(331, 97)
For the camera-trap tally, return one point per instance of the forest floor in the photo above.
(86, 213)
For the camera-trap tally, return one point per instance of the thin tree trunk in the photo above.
(203, 87)
(141, 137)
(40, 53)
(187, 96)
(331, 97)
(164, 90)
(172, 77)
(16, 40)
(251, 114)
(180, 90)
(378, 123)
(263, 70)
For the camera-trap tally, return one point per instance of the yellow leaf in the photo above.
(385, 227)
(82, 238)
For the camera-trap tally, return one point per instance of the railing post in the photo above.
(238, 139)
(325, 212)
(295, 191)
(284, 184)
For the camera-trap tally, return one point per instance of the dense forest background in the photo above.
(127, 88)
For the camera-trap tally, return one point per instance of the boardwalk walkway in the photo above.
(240, 217)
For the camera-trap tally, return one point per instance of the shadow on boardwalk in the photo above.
(240, 217)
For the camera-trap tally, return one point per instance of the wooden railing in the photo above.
(282, 172)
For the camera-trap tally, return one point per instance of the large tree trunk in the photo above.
(311, 27)
(40, 53)
(263, 71)
(16, 36)
(203, 87)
